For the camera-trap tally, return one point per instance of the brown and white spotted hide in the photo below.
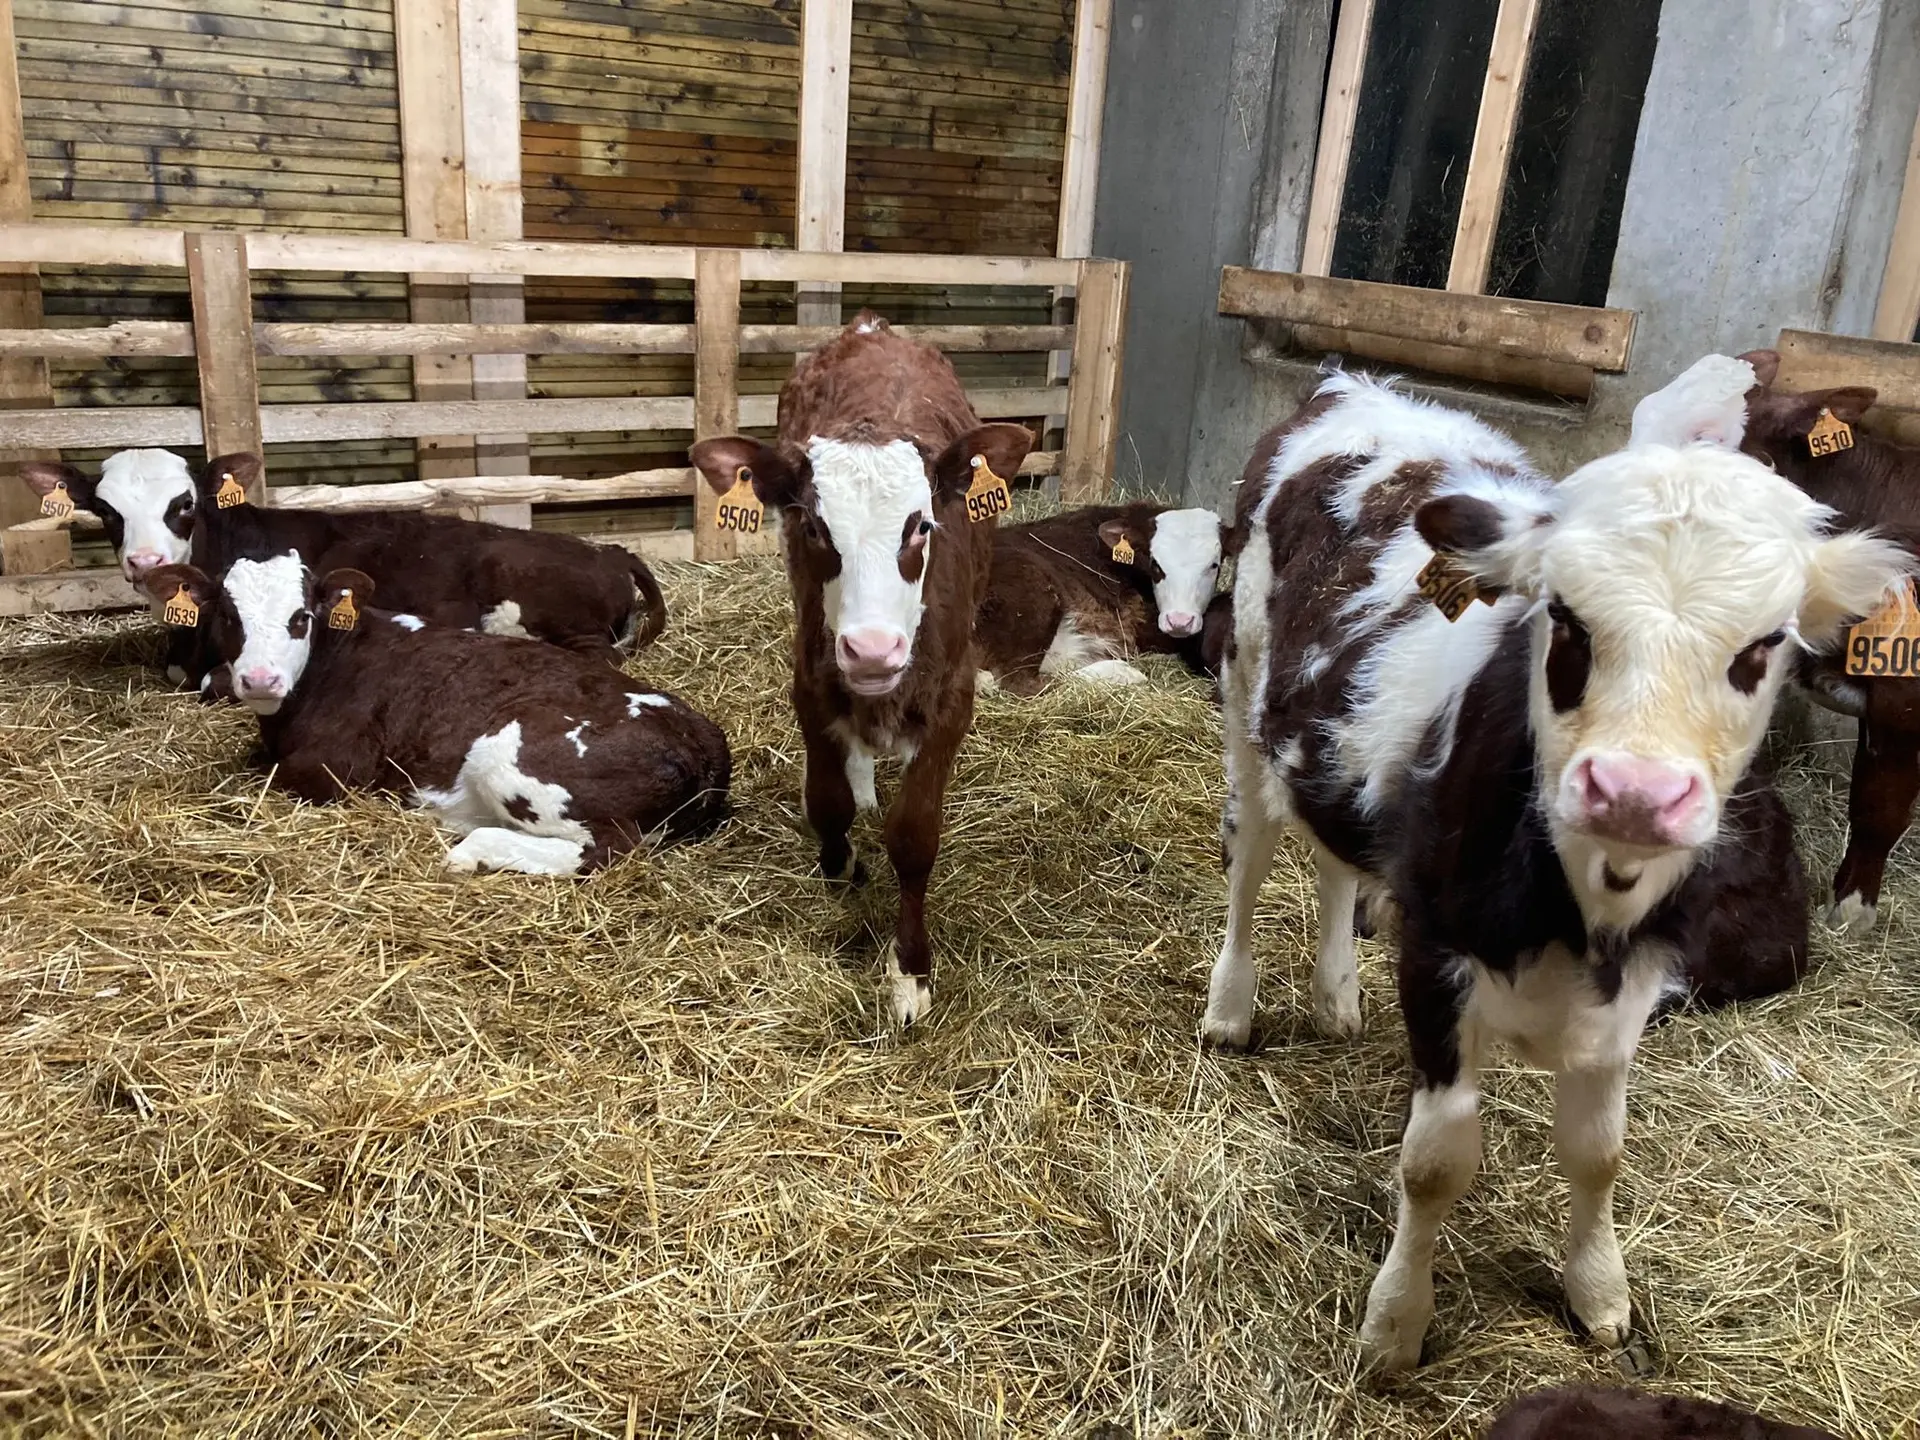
(877, 447)
(1553, 785)
(545, 761)
(1594, 1412)
(1061, 604)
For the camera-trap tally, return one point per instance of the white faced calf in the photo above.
(1543, 782)
(144, 498)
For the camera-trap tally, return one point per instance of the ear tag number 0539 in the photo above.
(1830, 434)
(988, 495)
(57, 504)
(345, 614)
(739, 509)
(182, 611)
(1887, 642)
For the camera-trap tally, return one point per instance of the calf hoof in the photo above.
(1338, 1017)
(1226, 1032)
(912, 995)
(1389, 1346)
(852, 872)
(1851, 916)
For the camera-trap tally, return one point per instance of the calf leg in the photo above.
(1589, 1130)
(1248, 836)
(1886, 779)
(1439, 1155)
(493, 847)
(913, 844)
(829, 799)
(1336, 979)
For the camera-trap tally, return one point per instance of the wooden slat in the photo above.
(1093, 399)
(826, 45)
(122, 337)
(1898, 315)
(1567, 334)
(1810, 360)
(788, 339)
(716, 383)
(284, 423)
(1086, 103)
(223, 338)
(99, 426)
(1573, 382)
(69, 590)
(23, 381)
(1336, 135)
(490, 98)
(489, 490)
(1492, 143)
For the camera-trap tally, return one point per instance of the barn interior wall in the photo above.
(1761, 196)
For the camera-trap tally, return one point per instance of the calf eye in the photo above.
(1569, 657)
(915, 532)
(1154, 570)
(297, 626)
(1749, 667)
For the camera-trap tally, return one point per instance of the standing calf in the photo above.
(877, 450)
(1543, 782)
(547, 762)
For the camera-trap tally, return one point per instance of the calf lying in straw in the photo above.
(546, 761)
(1594, 1412)
(1076, 595)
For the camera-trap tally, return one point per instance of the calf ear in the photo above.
(1000, 447)
(166, 581)
(41, 476)
(1848, 403)
(1766, 366)
(1113, 531)
(1497, 540)
(328, 589)
(776, 479)
(241, 468)
(1851, 573)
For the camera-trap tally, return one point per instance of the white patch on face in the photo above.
(1186, 547)
(141, 486)
(490, 780)
(408, 622)
(866, 493)
(504, 619)
(635, 701)
(267, 595)
(578, 736)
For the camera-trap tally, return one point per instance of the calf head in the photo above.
(861, 525)
(1730, 401)
(1778, 420)
(1670, 585)
(1180, 551)
(260, 618)
(144, 498)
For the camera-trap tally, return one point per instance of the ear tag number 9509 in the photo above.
(739, 509)
(988, 495)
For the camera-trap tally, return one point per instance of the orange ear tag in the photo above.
(230, 493)
(1123, 551)
(345, 614)
(1887, 642)
(988, 495)
(1448, 585)
(740, 509)
(1830, 434)
(182, 610)
(57, 504)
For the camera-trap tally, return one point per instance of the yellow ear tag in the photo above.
(988, 495)
(1887, 642)
(182, 610)
(57, 503)
(740, 509)
(1830, 434)
(230, 493)
(344, 615)
(1445, 582)
(1123, 551)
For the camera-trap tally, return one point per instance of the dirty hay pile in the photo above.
(297, 1132)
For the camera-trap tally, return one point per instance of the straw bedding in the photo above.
(300, 1135)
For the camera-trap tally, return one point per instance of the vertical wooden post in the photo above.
(490, 106)
(1080, 164)
(1093, 394)
(1492, 140)
(826, 63)
(433, 185)
(1337, 117)
(1898, 315)
(716, 383)
(223, 344)
(23, 382)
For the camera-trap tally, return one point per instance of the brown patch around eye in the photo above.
(1569, 659)
(1749, 667)
(298, 625)
(913, 547)
(1154, 570)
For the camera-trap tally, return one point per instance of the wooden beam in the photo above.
(222, 292)
(122, 337)
(489, 491)
(1337, 116)
(1898, 315)
(1492, 143)
(23, 381)
(716, 382)
(820, 209)
(490, 98)
(1566, 334)
(1490, 367)
(34, 552)
(1810, 360)
(70, 590)
(100, 426)
(1093, 397)
(1086, 106)
(390, 421)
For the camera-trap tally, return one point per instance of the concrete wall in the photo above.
(1762, 194)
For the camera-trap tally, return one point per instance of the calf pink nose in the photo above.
(871, 651)
(1179, 622)
(260, 681)
(1636, 800)
(139, 562)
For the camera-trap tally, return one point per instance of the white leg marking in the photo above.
(490, 781)
(491, 848)
(1230, 991)
(860, 777)
(1851, 916)
(1108, 672)
(1438, 1157)
(504, 619)
(1589, 1132)
(1336, 980)
(912, 994)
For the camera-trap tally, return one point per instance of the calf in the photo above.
(1731, 401)
(448, 571)
(877, 451)
(1549, 784)
(1594, 1412)
(547, 762)
(1078, 593)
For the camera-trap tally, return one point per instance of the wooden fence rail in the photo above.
(225, 341)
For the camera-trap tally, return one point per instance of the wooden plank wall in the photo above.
(274, 113)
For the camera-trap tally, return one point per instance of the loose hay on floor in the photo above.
(298, 1133)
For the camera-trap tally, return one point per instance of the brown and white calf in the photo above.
(1730, 400)
(546, 761)
(877, 448)
(1552, 786)
(1595, 1412)
(1076, 595)
(447, 571)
